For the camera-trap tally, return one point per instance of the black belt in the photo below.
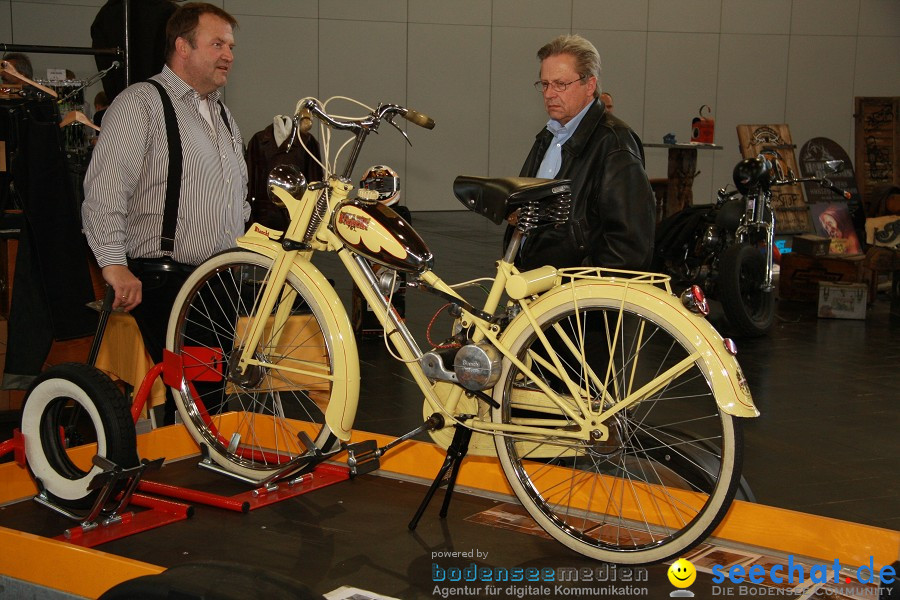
(156, 265)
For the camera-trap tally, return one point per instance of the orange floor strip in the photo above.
(62, 566)
(776, 529)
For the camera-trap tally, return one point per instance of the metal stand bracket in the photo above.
(447, 474)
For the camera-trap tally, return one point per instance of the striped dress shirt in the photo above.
(125, 186)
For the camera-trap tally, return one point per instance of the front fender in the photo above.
(726, 377)
(341, 410)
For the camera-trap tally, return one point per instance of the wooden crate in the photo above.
(877, 143)
(791, 211)
(800, 274)
(810, 245)
(842, 300)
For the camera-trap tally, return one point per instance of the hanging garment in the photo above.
(264, 154)
(52, 282)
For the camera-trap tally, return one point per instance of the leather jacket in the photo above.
(613, 214)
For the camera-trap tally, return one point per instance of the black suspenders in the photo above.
(176, 159)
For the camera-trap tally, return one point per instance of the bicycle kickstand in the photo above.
(447, 474)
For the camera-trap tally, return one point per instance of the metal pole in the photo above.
(126, 5)
(58, 49)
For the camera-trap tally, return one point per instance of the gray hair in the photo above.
(587, 59)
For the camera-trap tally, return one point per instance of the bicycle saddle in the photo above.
(497, 197)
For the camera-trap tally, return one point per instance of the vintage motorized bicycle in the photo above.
(728, 248)
(613, 406)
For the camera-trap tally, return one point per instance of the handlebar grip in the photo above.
(420, 119)
(305, 122)
(827, 184)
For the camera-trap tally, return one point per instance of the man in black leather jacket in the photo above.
(613, 215)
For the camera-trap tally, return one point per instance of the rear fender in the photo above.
(726, 377)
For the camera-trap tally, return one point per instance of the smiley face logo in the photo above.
(682, 573)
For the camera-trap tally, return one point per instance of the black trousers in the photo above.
(211, 306)
(159, 291)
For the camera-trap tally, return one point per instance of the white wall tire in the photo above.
(101, 415)
(573, 492)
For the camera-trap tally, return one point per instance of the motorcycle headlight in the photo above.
(383, 180)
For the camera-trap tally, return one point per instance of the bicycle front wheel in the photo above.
(665, 475)
(252, 422)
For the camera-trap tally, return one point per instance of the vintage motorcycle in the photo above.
(728, 248)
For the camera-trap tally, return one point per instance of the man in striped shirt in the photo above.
(130, 174)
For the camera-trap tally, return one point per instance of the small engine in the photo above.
(477, 366)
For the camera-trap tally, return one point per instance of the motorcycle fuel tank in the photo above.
(378, 233)
(730, 214)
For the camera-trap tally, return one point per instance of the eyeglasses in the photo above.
(557, 86)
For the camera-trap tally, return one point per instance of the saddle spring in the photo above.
(553, 211)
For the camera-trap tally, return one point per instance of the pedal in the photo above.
(363, 457)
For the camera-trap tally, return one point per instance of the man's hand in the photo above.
(125, 284)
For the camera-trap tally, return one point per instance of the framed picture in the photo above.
(832, 220)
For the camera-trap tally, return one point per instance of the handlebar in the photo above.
(360, 127)
(370, 122)
(724, 194)
(822, 181)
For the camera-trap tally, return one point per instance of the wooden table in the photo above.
(681, 171)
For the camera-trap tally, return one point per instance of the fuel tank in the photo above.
(729, 216)
(378, 233)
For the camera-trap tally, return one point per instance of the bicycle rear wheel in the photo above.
(251, 424)
(668, 471)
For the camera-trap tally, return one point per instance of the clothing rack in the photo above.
(122, 52)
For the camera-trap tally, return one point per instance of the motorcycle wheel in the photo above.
(749, 309)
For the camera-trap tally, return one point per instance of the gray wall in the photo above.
(470, 65)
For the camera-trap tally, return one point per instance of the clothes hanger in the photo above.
(76, 116)
(6, 67)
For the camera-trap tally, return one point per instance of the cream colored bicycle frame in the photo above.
(555, 288)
